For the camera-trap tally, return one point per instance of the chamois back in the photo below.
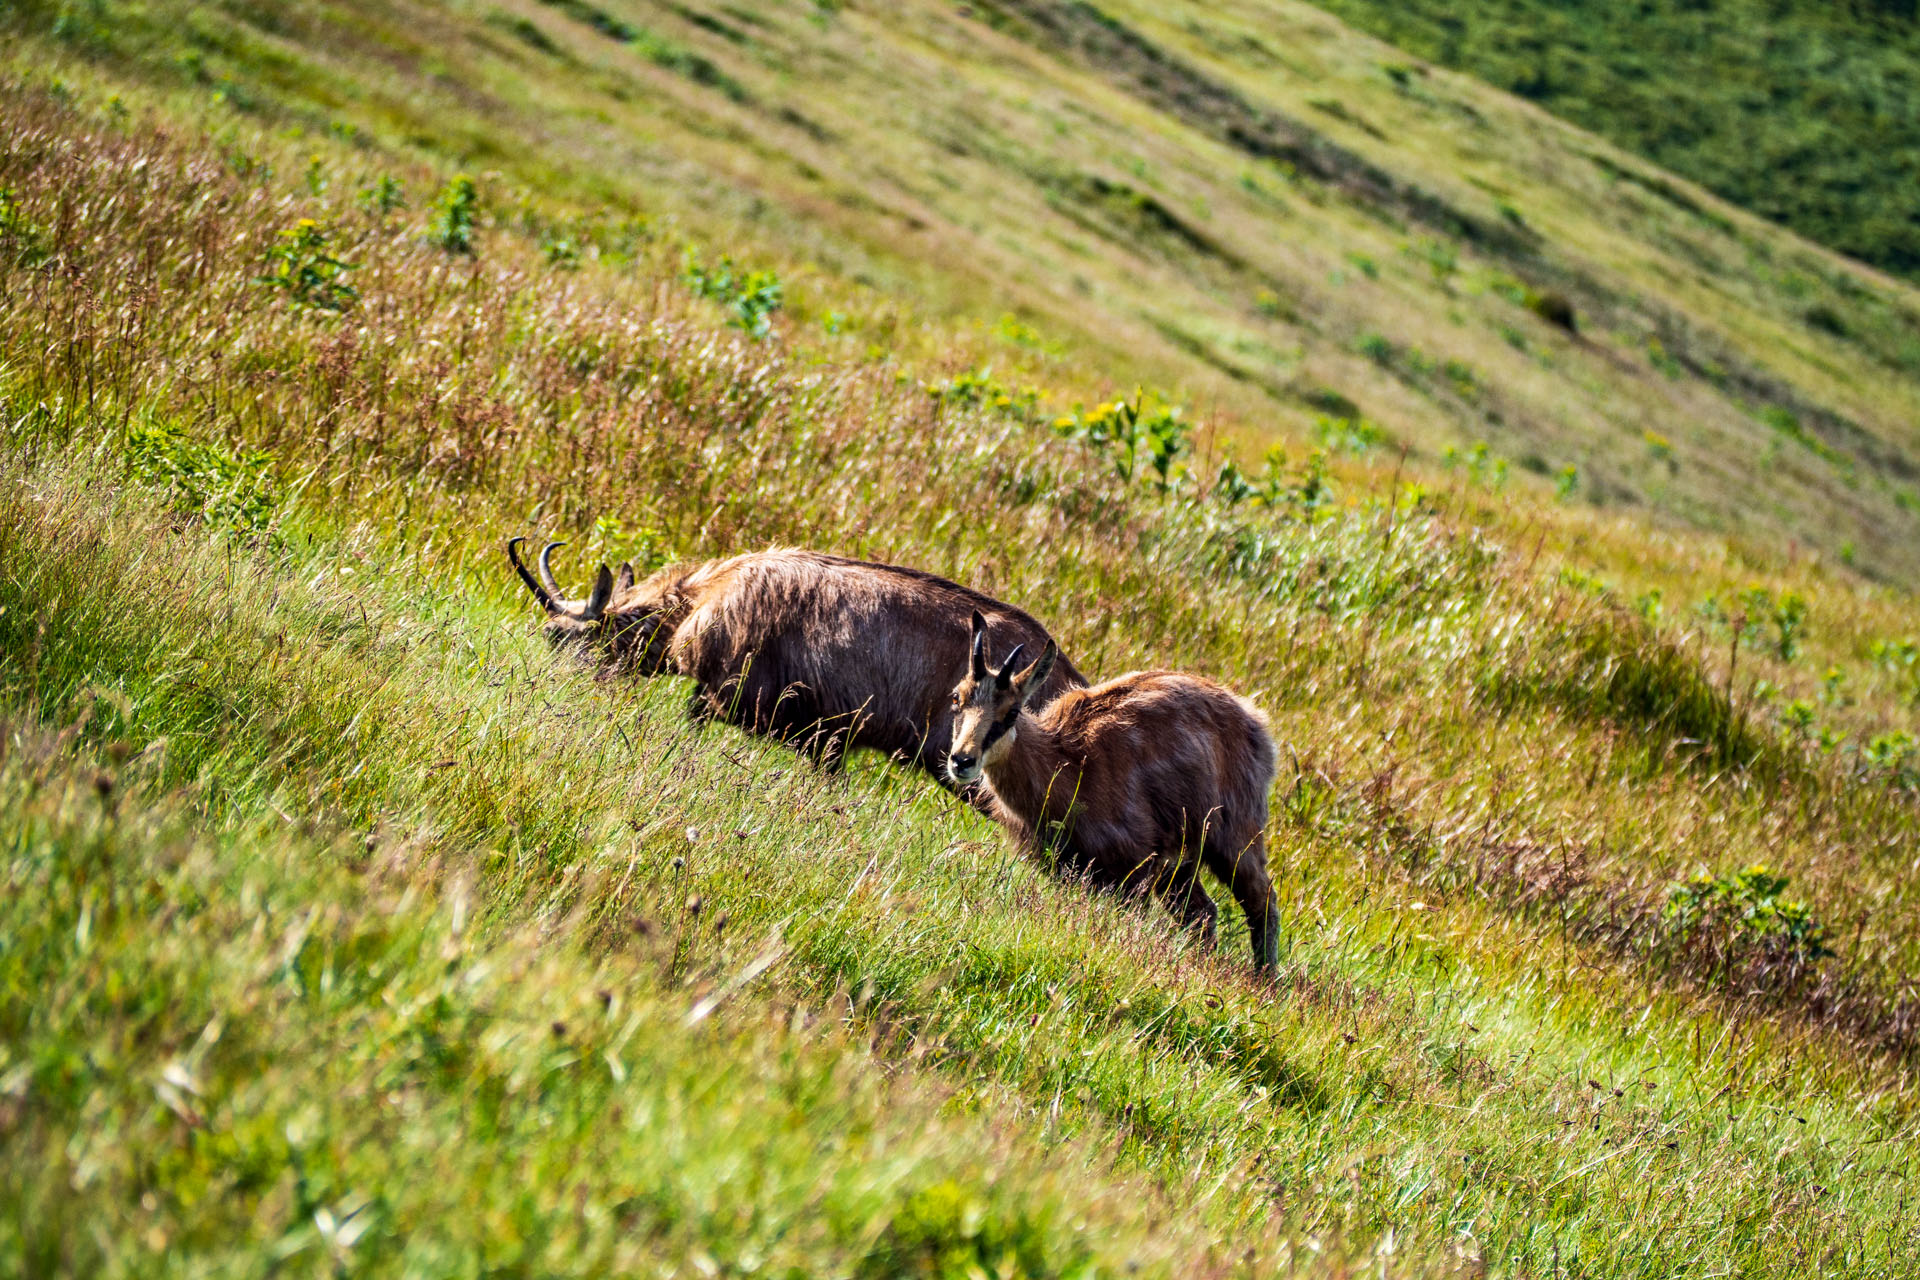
(828, 652)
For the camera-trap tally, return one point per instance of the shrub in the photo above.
(1891, 752)
(1329, 401)
(229, 489)
(456, 216)
(1744, 916)
(1824, 318)
(752, 296)
(382, 197)
(1374, 347)
(300, 265)
(1554, 308)
(1566, 483)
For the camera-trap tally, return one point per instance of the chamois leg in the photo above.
(1180, 891)
(1244, 868)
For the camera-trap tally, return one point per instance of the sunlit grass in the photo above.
(252, 580)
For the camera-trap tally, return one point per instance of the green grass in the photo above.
(1801, 112)
(285, 756)
(1193, 230)
(595, 887)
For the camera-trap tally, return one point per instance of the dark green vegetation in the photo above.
(347, 931)
(1805, 112)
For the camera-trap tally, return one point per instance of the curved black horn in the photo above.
(546, 569)
(979, 646)
(602, 593)
(540, 593)
(1004, 676)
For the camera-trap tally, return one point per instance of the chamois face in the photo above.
(575, 626)
(986, 705)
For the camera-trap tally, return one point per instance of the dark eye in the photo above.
(953, 700)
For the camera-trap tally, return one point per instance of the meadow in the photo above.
(350, 931)
(1800, 112)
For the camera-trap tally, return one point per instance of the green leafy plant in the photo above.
(1442, 259)
(560, 251)
(1143, 435)
(1789, 618)
(1901, 660)
(752, 296)
(1348, 435)
(1746, 912)
(1797, 718)
(230, 489)
(1892, 752)
(981, 388)
(1480, 463)
(1566, 483)
(19, 234)
(456, 216)
(382, 196)
(302, 266)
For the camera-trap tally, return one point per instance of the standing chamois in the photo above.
(1133, 784)
(823, 652)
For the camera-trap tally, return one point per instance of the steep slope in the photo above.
(1807, 113)
(1246, 205)
(316, 844)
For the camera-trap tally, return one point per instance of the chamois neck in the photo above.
(1027, 778)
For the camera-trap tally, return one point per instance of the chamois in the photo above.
(824, 652)
(1133, 784)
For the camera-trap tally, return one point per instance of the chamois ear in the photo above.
(625, 579)
(979, 646)
(602, 594)
(1030, 681)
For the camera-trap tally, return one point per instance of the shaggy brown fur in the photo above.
(822, 651)
(1133, 784)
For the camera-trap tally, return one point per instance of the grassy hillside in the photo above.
(1806, 113)
(1279, 224)
(349, 931)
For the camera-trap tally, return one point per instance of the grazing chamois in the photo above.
(824, 652)
(1133, 784)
